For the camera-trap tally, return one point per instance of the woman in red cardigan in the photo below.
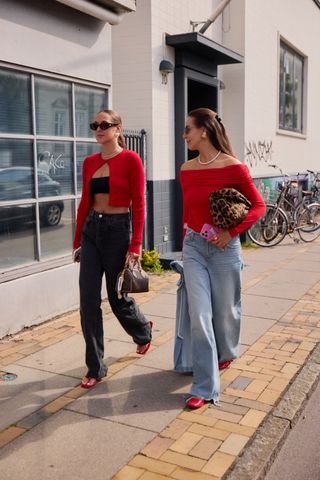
(212, 267)
(112, 181)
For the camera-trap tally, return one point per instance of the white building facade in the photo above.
(255, 65)
(55, 74)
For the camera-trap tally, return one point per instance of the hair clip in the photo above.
(218, 119)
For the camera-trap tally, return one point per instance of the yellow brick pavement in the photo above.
(199, 445)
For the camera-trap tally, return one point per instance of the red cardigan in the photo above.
(198, 184)
(127, 184)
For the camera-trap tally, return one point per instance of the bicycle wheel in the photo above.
(270, 229)
(308, 222)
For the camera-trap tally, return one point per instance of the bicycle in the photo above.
(287, 215)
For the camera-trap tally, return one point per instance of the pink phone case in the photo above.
(208, 231)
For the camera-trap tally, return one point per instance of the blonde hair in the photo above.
(212, 123)
(115, 118)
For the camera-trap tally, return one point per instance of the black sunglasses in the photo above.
(102, 125)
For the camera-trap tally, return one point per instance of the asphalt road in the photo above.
(299, 457)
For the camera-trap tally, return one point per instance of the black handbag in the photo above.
(228, 207)
(132, 279)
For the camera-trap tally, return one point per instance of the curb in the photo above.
(257, 458)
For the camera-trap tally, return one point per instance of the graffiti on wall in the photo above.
(258, 152)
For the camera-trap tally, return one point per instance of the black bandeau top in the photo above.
(99, 185)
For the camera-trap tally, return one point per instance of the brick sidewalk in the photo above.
(201, 444)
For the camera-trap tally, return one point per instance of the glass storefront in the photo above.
(44, 138)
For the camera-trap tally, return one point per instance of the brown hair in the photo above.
(115, 118)
(212, 123)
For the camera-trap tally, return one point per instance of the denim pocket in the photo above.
(120, 224)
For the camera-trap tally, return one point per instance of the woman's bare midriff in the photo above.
(101, 204)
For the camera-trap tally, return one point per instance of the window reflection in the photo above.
(17, 235)
(54, 157)
(16, 172)
(15, 102)
(53, 107)
(56, 160)
(83, 150)
(57, 231)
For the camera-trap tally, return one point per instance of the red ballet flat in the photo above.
(194, 402)
(142, 349)
(226, 364)
(89, 382)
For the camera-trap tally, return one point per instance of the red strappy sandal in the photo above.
(142, 349)
(89, 382)
(226, 364)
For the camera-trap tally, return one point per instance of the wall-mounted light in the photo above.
(165, 67)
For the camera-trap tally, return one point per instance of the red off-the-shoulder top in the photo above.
(198, 184)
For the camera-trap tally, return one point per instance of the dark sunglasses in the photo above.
(102, 125)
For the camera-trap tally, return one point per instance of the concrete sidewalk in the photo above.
(133, 425)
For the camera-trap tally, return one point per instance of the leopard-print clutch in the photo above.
(228, 207)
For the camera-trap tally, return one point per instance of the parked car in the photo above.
(17, 183)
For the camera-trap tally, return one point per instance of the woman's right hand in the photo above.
(76, 255)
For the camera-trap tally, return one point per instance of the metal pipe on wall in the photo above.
(214, 15)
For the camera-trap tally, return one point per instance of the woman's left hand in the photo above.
(221, 239)
(131, 256)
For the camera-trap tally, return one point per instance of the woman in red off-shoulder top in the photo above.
(212, 268)
(112, 181)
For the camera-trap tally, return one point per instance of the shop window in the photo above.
(291, 89)
(88, 101)
(53, 105)
(40, 165)
(15, 102)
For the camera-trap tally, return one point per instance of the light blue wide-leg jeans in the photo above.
(213, 282)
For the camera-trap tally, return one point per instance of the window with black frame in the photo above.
(44, 138)
(291, 89)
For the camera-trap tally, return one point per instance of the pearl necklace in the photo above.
(209, 161)
(105, 156)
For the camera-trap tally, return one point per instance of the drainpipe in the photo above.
(94, 11)
(214, 15)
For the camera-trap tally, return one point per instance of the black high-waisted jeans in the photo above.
(104, 244)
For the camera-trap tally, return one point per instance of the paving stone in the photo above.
(176, 428)
(231, 408)
(156, 466)
(186, 442)
(183, 460)
(183, 474)
(221, 415)
(205, 448)
(218, 464)
(241, 382)
(135, 396)
(253, 418)
(233, 444)
(31, 390)
(254, 404)
(235, 428)
(55, 448)
(210, 432)
(269, 396)
(10, 434)
(257, 386)
(128, 473)
(157, 447)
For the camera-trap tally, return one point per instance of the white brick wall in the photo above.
(138, 94)
(298, 23)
